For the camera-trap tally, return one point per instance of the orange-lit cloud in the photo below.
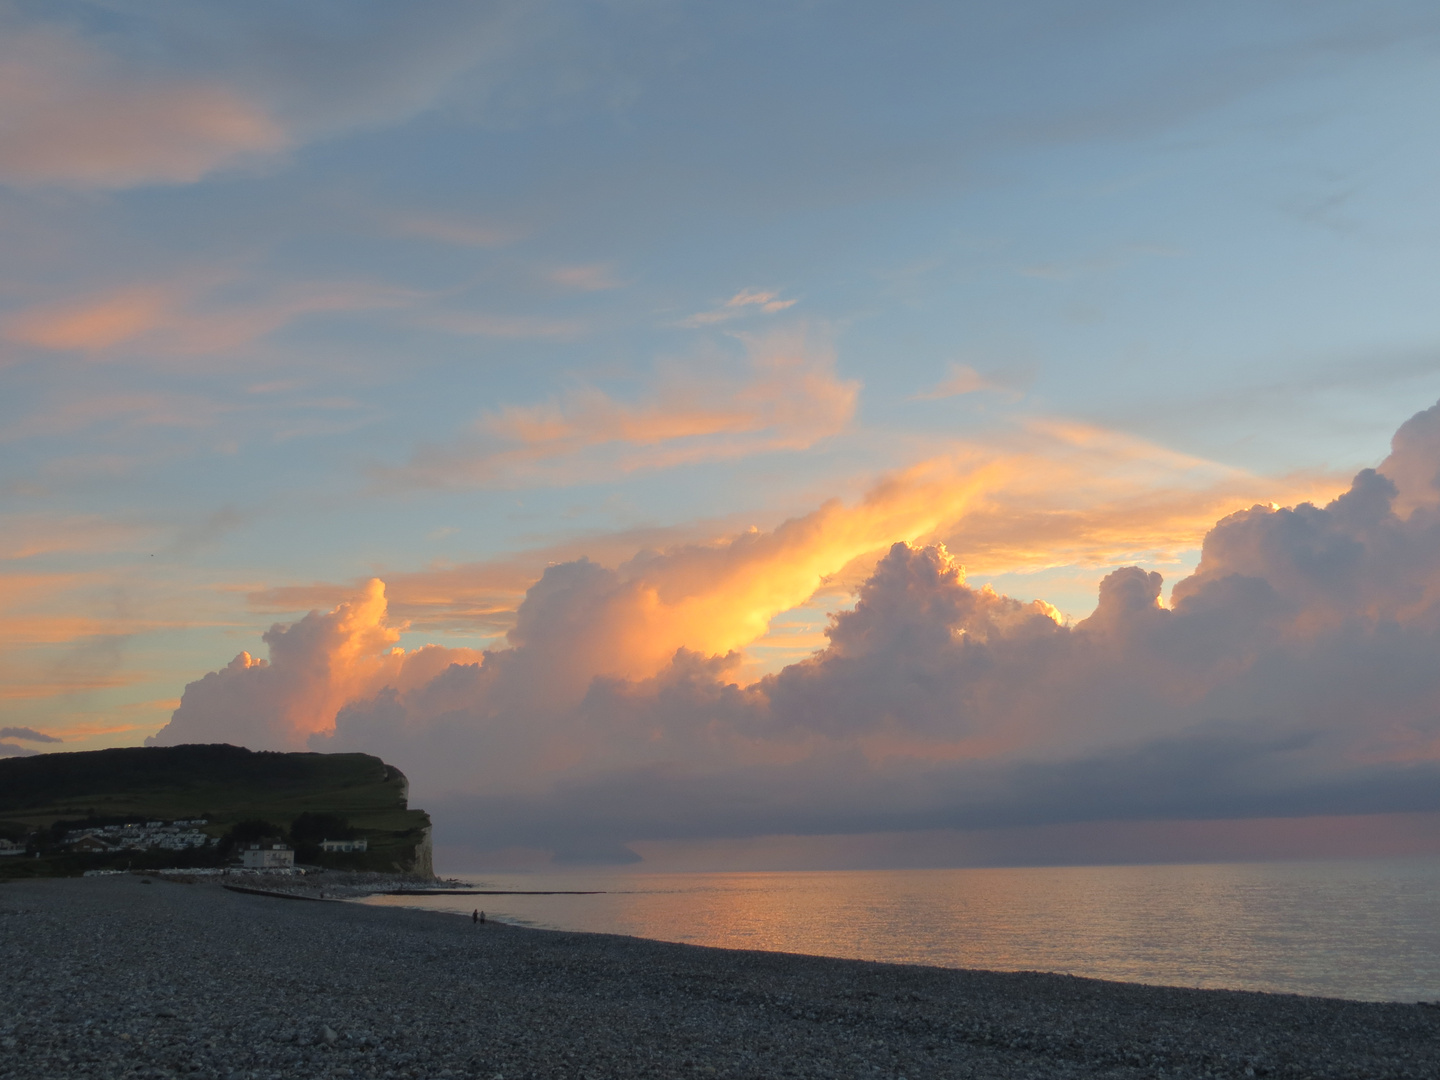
(95, 323)
(1052, 495)
(1289, 675)
(788, 397)
(315, 666)
(70, 116)
(1076, 494)
(1286, 677)
(186, 316)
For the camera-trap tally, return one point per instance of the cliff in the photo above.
(42, 797)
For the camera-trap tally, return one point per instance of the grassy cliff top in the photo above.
(219, 782)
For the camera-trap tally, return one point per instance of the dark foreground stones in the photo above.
(106, 977)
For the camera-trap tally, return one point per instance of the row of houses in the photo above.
(179, 836)
(274, 856)
(150, 836)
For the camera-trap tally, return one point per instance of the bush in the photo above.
(310, 828)
(249, 832)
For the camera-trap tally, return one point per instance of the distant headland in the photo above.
(202, 806)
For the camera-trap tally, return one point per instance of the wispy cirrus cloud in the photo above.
(488, 324)
(72, 115)
(744, 302)
(66, 635)
(962, 379)
(24, 536)
(594, 277)
(453, 229)
(787, 396)
(206, 311)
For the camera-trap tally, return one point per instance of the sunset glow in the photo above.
(739, 429)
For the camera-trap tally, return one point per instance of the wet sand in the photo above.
(114, 977)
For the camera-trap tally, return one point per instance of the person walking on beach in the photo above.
(475, 916)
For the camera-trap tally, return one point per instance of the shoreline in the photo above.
(101, 976)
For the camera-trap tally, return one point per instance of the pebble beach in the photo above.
(131, 977)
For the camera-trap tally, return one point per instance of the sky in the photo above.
(802, 434)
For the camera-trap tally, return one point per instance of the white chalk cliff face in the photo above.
(1297, 671)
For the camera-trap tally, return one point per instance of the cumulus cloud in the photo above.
(1291, 674)
(315, 666)
(1054, 495)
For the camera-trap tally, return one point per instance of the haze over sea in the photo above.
(1367, 930)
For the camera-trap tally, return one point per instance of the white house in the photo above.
(275, 857)
(344, 845)
(9, 848)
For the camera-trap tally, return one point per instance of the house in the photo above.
(271, 857)
(8, 847)
(90, 844)
(344, 845)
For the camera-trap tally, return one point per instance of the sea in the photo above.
(1364, 930)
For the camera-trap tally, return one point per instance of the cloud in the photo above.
(787, 397)
(105, 103)
(490, 325)
(1289, 676)
(593, 278)
(202, 312)
(962, 379)
(25, 734)
(1051, 495)
(25, 536)
(746, 301)
(93, 323)
(63, 634)
(9, 749)
(453, 230)
(127, 411)
(70, 115)
(1414, 463)
(315, 665)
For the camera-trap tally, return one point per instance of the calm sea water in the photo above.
(1364, 930)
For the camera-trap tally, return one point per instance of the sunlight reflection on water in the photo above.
(1366, 930)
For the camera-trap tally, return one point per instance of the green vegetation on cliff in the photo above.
(43, 797)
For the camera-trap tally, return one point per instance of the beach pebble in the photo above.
(192, 980)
